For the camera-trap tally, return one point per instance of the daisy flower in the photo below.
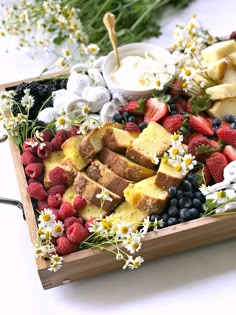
(62, 123)
(104, 195)
(93, 49)
(189, 161)
(176, 139)
(175, 151)
(134, 243)
(57, 228)
(39, 251)
(154, 159)
(187, 73)
(123, 229)
(46, 217)
(135, 263)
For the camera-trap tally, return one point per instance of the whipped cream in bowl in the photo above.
(144, 67)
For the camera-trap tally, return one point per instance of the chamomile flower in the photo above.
(62, 123)
(47, 232)
(93, 49)
(46, 217)
(66, 53)
(189, 161)
(57, 228)
(187, 73)
(175, 151)
(56, 258)
(154, 159)
(205, 190)
(159, 84)
(176, 139)
(127, 262)
(38, 135)
(27, 100)
(221, 196)
(134, 244)
(119, 256)
(55, 266)
(123, 229)
(84, 128)
(135, 263)
(179, 167)
(85, 110)
(104, 195)
(105, 225)
(146, 225)
(39, 251)
(62, 63)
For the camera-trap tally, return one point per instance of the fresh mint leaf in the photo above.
(141, 104)
(200, 103)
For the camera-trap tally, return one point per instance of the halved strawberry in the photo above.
(134, 107)
(188, 106)
(228, 135)
(201, 124)
(203, 176)
(216, 164)
(176, 89)
(230, 153)
(172, 123)
(155, 110)
(200, 147)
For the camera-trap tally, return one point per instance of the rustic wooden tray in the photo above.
(91, 262)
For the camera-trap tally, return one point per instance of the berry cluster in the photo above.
(185, 203)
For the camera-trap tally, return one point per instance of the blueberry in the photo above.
(142, 125)
(188, 194)
(132, 119)
(216, 122)
(215, 128)
(173, 202)
(155, 216)
(186, 185)
(165, 217)
(173, 212)
(185, 202)
(117, 118)
(200, 196)
(173, 112)
(180, 220)
(197, 203)
(172, 191)
(192, 178)
(172, 107)
(194, 213)
(125, 116)
(233, 125)
(179, 194)
(229, 118)
(172, 221)
(184, 214)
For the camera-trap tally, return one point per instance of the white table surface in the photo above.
(199, 281)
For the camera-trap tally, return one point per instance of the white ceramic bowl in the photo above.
(136, 49)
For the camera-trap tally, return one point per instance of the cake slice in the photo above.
(167, 176)
(124, 167)
(221, 91)
(73, 157)
(54, 159)
(125, 212)
(218, 50)
(145, 195)
(154, 139)
(118, 140)
(89, 189)
(90, 211)
(93, 142)
(223, 107)
(101, 174)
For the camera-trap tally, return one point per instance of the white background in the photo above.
(199, 281)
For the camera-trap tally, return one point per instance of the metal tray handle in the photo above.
(13, 202)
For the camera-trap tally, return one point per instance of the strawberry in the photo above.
(172, 123)
(216, 164)
(131, 127)
(188, 107)
(176, 89)
(180, 104)
(215, 145)
(230, 153)
(228, 135)
(134, 107)
(203, 175)
(201, 124)
(198, 143)
(155, 110)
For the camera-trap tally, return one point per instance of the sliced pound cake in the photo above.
(145, 195)
(154, 139)
(90, 211)
(101, 174)
(125, 212)
(118, 140)
(86, 187)
(124, 167)
(53, 160)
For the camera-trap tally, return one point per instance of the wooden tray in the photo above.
(90, 262)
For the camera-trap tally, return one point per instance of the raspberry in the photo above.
(42, 204)
(70, 220)
(27, 157)
(46, 135)
(56, 145)
(66, 210)
(59, 139)
(58, 176)
(71, 132)
(56, 212)
(30, 144)
(77, 233)
(89, 222)
(37, 191)
(65, 246)
(79, 203)
(57, 189)
(33, 170)
(54, 201)
(131, 127)
(44, 149)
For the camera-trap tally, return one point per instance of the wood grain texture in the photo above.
(89, 262)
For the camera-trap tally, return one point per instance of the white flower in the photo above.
(32, 143)
(83, 128)
(221, 196)
(62, 62)
(56, 259)
(85, 110)
(175, 151)
(189, 161)
(38, 135)
(179, 167)
(146, 225)
(154, 159)
(93, 49)
(176, 139)
(123, 229)
(104, 195)
(27, 100)
(39, 251)
(186, 85)
(66, 53)
(155, 225)
(47, 217)
(119, 256)
(205, 190)
(104, 225)
(159, 84)
(128, 261)
(57, 228)
(46, 231)
(62, 123)
(135, 263)
(55, 266)
(134, 244)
